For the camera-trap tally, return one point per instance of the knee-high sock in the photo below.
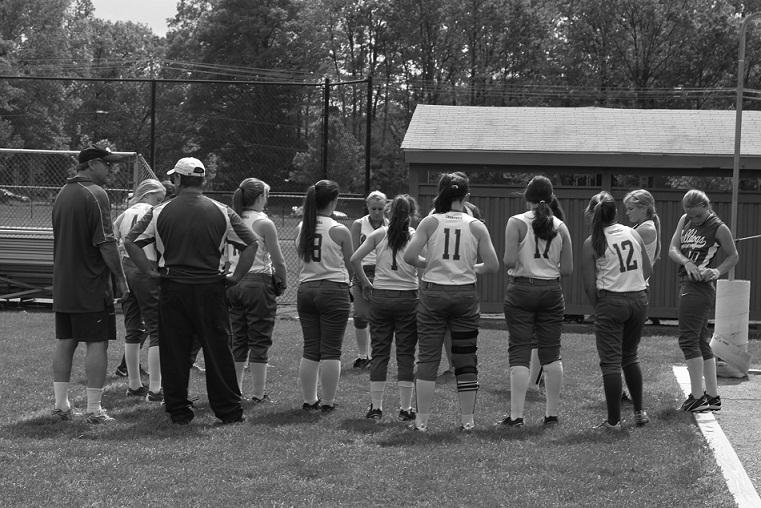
(61, 392)
(240, 372)
(709, 374)
(518, 386)
(405, 394)
(330, 373)
(467, 390)
(308, 376)
(259, 373)
(424, 391)
(612, 385)
(132, 357)
(535, 370)
(363, 342)
(94, 396)
(695, 369)
(633, 377)
(376, 394)
(154, 372)
(553, 383)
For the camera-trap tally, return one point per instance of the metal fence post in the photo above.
(325, 125)
(368, 132)
(153, 125)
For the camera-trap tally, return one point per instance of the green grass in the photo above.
(282, 456)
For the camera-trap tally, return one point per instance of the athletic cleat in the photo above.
(361, 363)
(641, 419)
(406, 415)
(64, 415)
(264, 399)
(550, 421)
(607, 427)
(714, 403)
(417, 428)
(311, 407)
(374, 413)
(230, 421)
(155, 396)
(98, 418)
(508, 422)
(137, 392)
(467, 427)
(326, 408)
(693, 405)
(120, 371)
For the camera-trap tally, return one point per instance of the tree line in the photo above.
(269, 58)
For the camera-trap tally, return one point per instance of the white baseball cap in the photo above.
(188, 166)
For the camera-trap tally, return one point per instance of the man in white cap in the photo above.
(191, 233)
(84, 259)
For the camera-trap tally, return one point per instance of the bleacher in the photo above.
(26, 263)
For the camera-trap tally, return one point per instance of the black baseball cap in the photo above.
(93, 152)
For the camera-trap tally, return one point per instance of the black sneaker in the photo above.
(406, 415)
(265, 398)
(509, 422)
(120, 371)
(693, 405)
(155, 396)
(230, 421)
(374, 413)
(361, 363)
(641, 419)
(137, 392)
(325, 408)
(550, 421)
(311, 407)
(714, 403)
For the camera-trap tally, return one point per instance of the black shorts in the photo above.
(86, 326)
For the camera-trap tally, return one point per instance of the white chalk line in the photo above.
(738, 481)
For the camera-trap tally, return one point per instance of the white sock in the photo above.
(330, 373)
(467, 419)
(240, 370)
(61, 392)
(424, 391)
(405, 394)
(709, 374)
(308, 370)
(695, 369)
(553, 379)
(518, 387)
(132, 358)
(154, 374)
(94, 396)
(466, 395)
(376, 394)
(363, 342)
(259, 373)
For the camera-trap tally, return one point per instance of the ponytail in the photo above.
(452, 187)
(543, 223)
(403, 207)
(317, 198)
(602, 208)
(247, 193)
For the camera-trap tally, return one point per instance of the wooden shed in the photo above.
(585, 150)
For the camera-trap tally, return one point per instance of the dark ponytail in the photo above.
(602, 209)
(317, 198)
(403, 208)
(247, 193)
(540, 193)
(452, 187)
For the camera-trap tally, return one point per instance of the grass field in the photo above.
(282, 456)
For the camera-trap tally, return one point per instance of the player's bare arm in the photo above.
(566, 253)
(486, 250)
(588, 271)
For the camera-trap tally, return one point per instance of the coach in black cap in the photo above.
(84, 258)
(191, 233)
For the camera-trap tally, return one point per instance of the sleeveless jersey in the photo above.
(650, 247)
(537, 258)
(393, 273)
(124, 223)
(699, 243)
(365, 230)
(620, 268)
(452, 250)
(262, 262)
(327, 257)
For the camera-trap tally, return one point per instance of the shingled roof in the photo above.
(525, 130)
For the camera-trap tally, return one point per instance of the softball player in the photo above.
(252, 301)
(615, 268)
(538, 251)
(324, 247)
(141, 307)
(640, 209)
(393, 302)
(360, 230)
(448, 297)
(699, 235)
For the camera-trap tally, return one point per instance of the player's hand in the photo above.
(367, 291)
(121, 292)
(693, 272)
(710, 274)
